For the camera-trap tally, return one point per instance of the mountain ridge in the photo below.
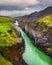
(36, 15)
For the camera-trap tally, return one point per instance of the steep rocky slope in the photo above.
(38, 26)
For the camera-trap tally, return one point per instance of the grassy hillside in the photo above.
(47, 20)
(44, 25)
(11, 46)
(7, 38)
(3, 61)
(7, 33)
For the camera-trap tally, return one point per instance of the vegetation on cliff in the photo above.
(3, 61)
(7, 33)
(47, 20)
(9, 42)
(44, 25)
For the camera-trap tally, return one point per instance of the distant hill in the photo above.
(36, 15)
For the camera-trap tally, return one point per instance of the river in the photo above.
(32, 55)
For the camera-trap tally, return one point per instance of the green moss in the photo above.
(3, 61)
(7, 33)
(47, 20)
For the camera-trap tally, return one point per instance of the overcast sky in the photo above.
(22, 7)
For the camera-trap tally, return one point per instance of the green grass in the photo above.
(7, 37)
(3, 61)
(5, 19)
(7, 33)
(47, 20)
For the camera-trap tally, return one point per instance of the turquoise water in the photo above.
(32, 55)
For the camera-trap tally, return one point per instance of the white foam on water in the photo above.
(16, 23)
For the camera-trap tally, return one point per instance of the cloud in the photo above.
(10, 8)
(23, 4)
(46, 2)
(16, 12)
(22, 7)
(20, 3)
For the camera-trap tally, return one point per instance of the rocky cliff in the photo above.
(38, 26)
